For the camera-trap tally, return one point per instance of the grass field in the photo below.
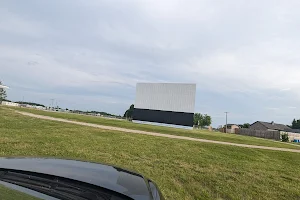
(10, 194)
(182, 169)
(202, 134)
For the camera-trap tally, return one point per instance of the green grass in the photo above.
(182, 169)
(10, 194)
(202, 134)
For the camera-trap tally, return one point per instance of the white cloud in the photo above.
(272, 108)
(228, 48)
(12, 23)
(285, 89)
(178, 10)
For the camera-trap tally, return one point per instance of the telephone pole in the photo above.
(226, 122)
(52, 102)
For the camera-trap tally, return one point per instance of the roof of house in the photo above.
(295, 130)
(274, 126)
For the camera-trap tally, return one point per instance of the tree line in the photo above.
(202, 120)
(296, 124)
(30, 103)
(2, 93)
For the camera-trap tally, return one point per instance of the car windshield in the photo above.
(53, 186)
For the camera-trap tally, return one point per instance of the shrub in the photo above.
(285, 137)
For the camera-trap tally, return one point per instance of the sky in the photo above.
(243, 55)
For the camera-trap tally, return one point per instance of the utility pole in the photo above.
(52, 102)
(226, 122)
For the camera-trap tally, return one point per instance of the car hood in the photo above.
(113, 178)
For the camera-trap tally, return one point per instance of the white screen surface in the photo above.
(175, 97)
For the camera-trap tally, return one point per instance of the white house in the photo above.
(7, 103)
(39, 107)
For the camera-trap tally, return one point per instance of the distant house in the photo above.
(231, 128)
(26, 105)
(269, 126)
(8, 103)
(39, 107)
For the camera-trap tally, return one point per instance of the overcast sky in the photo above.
(89, 54)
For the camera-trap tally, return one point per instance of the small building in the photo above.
(26, 105)
(8, 103)
(39, 107)
(231, 128)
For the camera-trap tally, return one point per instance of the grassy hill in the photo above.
(182, 169)
(202, 134)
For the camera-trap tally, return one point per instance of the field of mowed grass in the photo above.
(202, 134)
(10, 194)
(182, 169)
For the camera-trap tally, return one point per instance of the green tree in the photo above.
(202, 120)
(245, 125)
(296, 124)
(197, 118)
(129, 113)
(2, 93)
(285, 137)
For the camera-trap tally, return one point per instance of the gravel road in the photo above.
(156, 134)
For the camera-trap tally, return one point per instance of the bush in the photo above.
(285, 137)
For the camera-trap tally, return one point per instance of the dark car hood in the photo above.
(122, 181)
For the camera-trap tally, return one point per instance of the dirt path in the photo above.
(155, 134)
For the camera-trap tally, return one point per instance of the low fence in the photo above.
(275, 135)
